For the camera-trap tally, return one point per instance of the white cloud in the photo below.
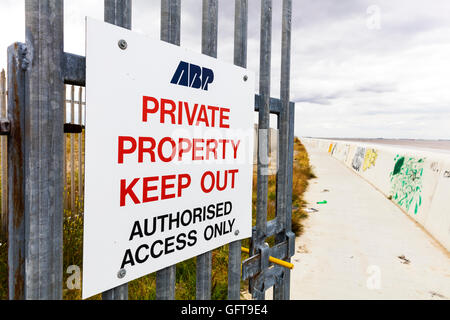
(353, 81)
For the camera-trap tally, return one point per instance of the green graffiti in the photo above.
(398, 165)
(406, 182)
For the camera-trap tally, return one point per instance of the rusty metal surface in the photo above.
(17, 63)
(5, 126)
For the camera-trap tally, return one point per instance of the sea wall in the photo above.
(416, 181)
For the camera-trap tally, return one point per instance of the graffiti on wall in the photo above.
(334, 149)
(358, 158)
(346, 152)
(434, 167)
(370, 158)
(406, 182)
(330, 148)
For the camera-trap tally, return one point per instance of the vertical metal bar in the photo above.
(3, 159)
(80, 147)
(83, 139)
(16, 172)
(44, 149)
(72, 151)
(264, 116)
(240, 59)
(282, 182)
(117, 12)
(263, 141)
(209, 27)
(170, 21)
(170, 32)
(209, 47)
(165, 283)
(66, 192)
(290, 165)
(285, 97)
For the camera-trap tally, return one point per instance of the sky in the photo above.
(372, 69)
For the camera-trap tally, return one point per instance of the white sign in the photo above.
(169, 155)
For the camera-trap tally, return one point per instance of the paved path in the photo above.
(361, 246)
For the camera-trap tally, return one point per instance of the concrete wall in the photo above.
(417, 181)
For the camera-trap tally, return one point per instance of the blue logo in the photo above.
(193, 76)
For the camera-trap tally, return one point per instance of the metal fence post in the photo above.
(118, 12)
(72, 151)
(170, 32)
(240, 59)
(281, 291)
(80, 149)
(17, 65)
(65, 190)
(209, 47)
(258, 239)
(35, 155)
(170, 21)
(3, 159)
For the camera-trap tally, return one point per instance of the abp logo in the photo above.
(193, 76)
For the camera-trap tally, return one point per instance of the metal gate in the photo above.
(35, 125)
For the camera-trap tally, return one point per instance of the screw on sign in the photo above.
(121, 274)
(122, 44)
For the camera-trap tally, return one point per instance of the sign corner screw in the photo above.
(121, 274)
(122, 44)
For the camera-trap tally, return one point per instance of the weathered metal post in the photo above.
(240, 59)
(80, 147)
(44, 133)
(118, 12)
(281, 290)
(3, 159)
(65, 190)
(209, 47)
(35, 155)
(72, 151)
(17, 64)
(258, 239)
(170, 32)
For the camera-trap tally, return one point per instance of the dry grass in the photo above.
(302, 173)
